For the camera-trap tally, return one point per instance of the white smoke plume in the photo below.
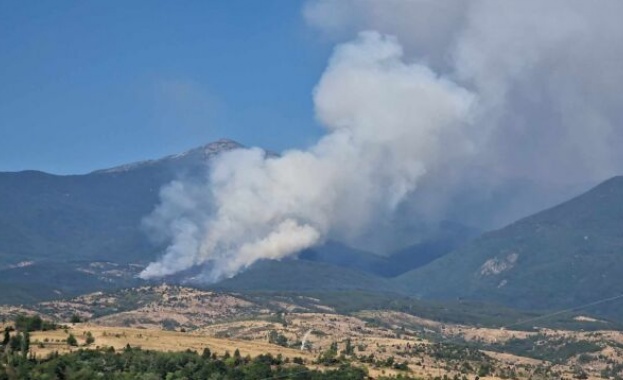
(547, 74)
(388, 123)
(548, 78)
(444, 96)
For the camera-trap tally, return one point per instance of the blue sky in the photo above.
(88, 85)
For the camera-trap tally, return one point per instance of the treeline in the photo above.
(134, 363)
(16, 339)
(27, 323)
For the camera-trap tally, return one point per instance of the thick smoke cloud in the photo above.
(388, 123)
(446, 106)
(547, 74)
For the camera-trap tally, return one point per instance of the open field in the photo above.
(159, 340)
(250, 338)
(386, 342)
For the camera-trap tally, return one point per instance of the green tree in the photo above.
(90, 338)
(349, 349)
(276, 338)
(16, 342)
(26, 323)
(206, 353)
(25, 346)
(7, 337)
(71, 340)
(329, 357)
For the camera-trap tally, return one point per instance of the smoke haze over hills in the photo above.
(273, 207)
(429, 100)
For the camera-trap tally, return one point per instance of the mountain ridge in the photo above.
(205, 152)
(561, 257)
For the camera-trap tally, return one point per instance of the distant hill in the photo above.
(64, 235)
(336, 267)
(54, 227)
(445, 238)
(291, 275)
(30, 283)
(95, 216)
(564, 257)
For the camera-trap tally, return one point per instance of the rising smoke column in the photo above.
(388, 122)
(544, 105)
(548, 79)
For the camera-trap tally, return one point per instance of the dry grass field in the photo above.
(167, 318)
(44, 342)
(250, 338)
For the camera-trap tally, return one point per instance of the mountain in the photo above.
(444, 239)
(292, 275)
(448, 237)
(340, 255)
(564, 257)
(95, 216)
(63, 235)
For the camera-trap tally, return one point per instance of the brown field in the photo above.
(250, 338)
(173, 318)
(150, 339)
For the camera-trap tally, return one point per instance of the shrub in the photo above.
(71, 340)
(90, 339)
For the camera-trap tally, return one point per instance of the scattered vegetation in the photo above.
(134, 363)
(277, 338)
(33, 323)
(554, 349)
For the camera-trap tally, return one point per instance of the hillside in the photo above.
(95, 216)
(63, 235)
(291, 275)
(563, 257)
(441, 240)
(382, 340)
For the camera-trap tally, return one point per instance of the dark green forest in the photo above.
(135, 363)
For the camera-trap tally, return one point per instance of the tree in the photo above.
(75, 319)
(7, 337)
(276, 338)
(71, 340)
(16, 342)
(26, 323)
(329, 357)
(90, 339)
(25, 346)
(206, 353)
(349, 349)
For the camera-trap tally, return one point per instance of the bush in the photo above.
(71, 340)
(90, 339)
(276, 338)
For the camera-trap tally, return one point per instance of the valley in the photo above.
(311, 190)
(385, 342)
(509, 303)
